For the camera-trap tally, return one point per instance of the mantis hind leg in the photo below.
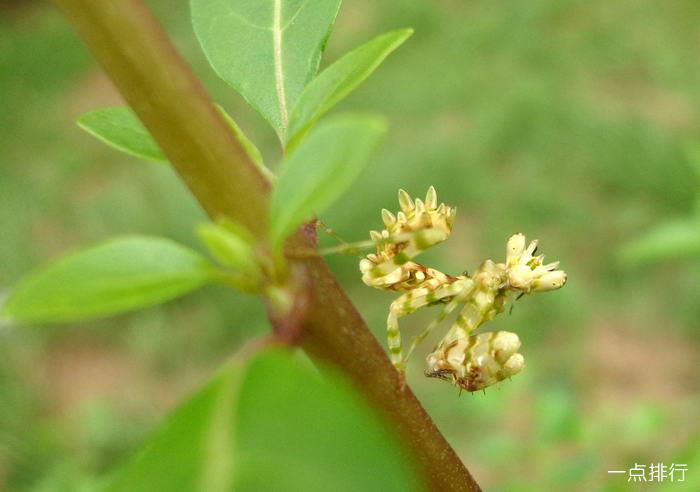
(451, 305)
(409, 303)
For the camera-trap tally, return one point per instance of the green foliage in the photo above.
(193, 450)
(229, 243)
(297, 431)
(267, 50)
(270, 424)
(121, 128)
(283, 41)
(502, 112)
(341, 78)
(117, 276)
(250, 148)
(232, 246)
(320, 169)
(678, 239)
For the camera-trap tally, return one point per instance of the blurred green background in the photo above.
(567, 120)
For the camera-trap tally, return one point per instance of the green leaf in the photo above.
(120, 275)
(232, 246)
(320, 169)
(674, 240)
(296, 431)
(341, 78)
(193, 450)
(247, 144)
(270, 424)
(229, 244)
(268, 50)
(120, 128)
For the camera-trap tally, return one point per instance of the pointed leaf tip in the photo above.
(340, 79)
(121, 129)
(117, 276)
(323, 166)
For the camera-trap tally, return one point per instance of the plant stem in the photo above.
(137, 55)
(156, 82)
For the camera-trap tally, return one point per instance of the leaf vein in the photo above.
(232, 13)
(277, 32)
(295, 15)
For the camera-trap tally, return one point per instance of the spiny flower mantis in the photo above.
(470, 362)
